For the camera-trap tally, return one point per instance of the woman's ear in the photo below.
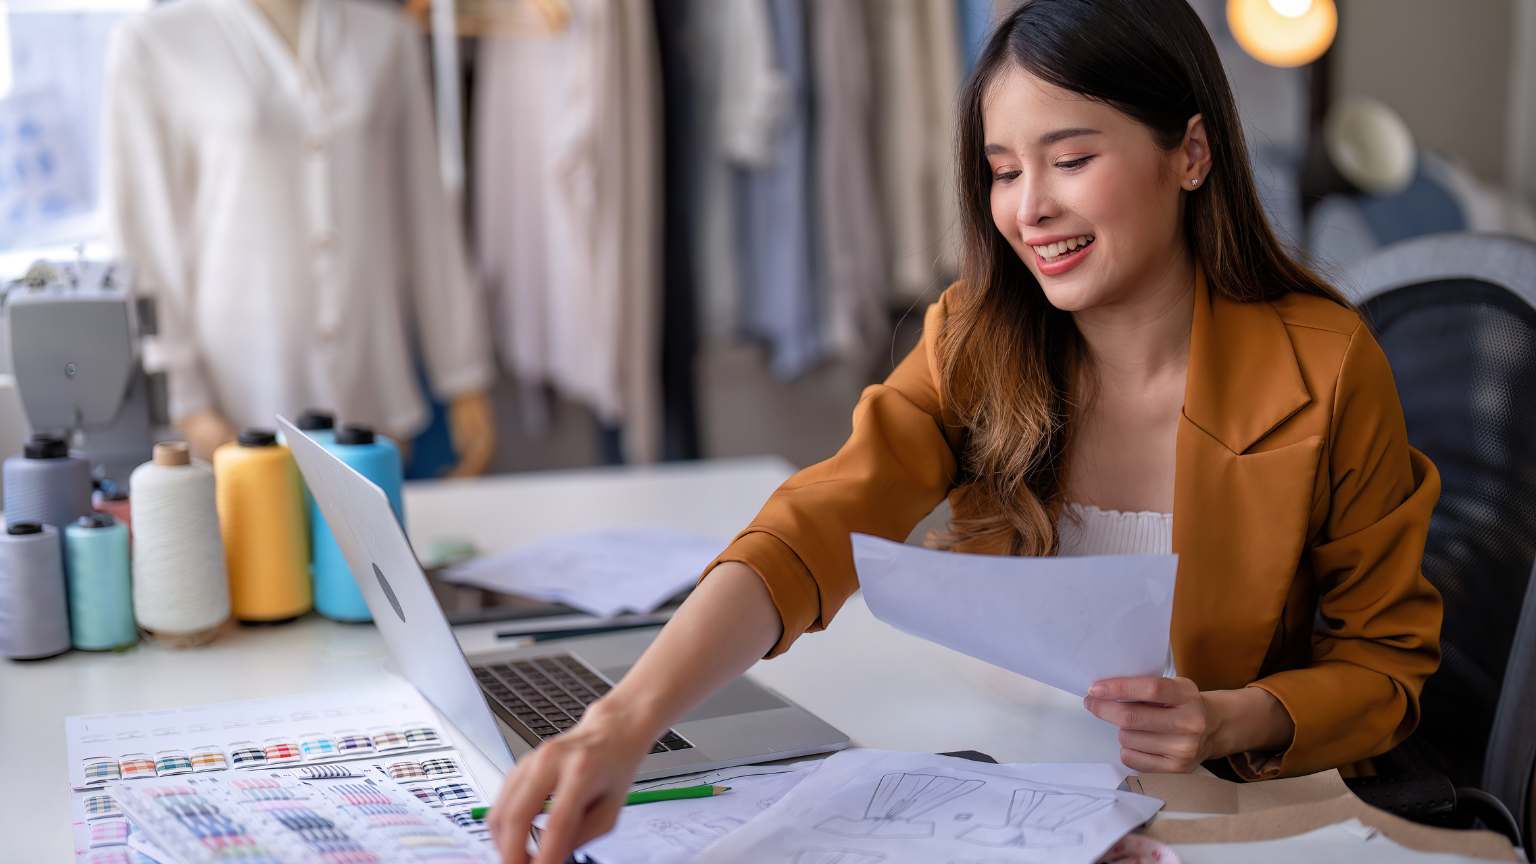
(1194, 154)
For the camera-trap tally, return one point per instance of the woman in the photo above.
(1131, 363)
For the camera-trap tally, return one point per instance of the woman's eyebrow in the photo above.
(1063, 134)
(1046, 140)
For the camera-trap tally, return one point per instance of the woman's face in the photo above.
(1082, 192)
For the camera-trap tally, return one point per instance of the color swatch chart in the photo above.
(363, 722)
(274, 817)
(380, 733)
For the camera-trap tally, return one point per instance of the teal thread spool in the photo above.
(375, 457)
(100, 586)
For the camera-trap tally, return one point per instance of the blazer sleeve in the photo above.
(895, 467)
(1377, 636)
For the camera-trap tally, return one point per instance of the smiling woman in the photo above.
(1130, 363)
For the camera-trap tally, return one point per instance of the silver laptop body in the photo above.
(505, 701)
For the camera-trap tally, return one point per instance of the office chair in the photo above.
(1456, 316)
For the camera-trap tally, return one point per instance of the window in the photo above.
(52, 57)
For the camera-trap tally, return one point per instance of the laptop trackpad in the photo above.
(738, 697)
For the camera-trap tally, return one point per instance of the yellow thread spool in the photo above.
(261, 515)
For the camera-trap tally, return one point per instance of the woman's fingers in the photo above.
(1150, 763)
(1145, 717)
(526, 790)
(1164, 691)
(1181, 751)
(574, 792)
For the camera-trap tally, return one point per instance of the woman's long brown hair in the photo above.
(1007, 358)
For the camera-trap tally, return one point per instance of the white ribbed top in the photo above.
(1087, 530)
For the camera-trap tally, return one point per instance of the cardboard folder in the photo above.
(1273, 809)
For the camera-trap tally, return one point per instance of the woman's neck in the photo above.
(1146, 337)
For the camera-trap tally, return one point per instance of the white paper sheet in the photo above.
(882, 807)
(1066, 622)
(604, 573)
(672, 832)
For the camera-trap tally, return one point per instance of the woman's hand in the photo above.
(1166, 724)
(587, 770)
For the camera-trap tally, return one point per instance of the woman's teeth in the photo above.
(1062, 247)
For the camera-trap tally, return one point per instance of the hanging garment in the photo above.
(285, 213)
(567, 139)
(849, 233)
(915, 46)
(738, 98)
(779, 292)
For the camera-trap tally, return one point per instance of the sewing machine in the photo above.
(69, 364)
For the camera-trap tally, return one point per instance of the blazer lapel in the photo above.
(1240, 512)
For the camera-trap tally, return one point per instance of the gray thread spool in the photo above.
(46, 484)
(34, 609)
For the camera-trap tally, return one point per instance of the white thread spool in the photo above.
(180, 584)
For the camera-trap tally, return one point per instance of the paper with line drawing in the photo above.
(883, 807)
(1066, 622)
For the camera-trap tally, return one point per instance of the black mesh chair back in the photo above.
(1456, 316)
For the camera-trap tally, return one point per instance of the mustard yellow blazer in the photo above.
(1299, 517)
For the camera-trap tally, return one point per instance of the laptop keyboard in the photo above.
(543, 696)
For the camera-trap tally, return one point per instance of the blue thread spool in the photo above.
(375, 457)
(34, 614)
(100, 589)
(45, 484)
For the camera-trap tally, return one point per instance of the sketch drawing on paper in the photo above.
(838, 856)
(897, 801)
(1040, 819)
(695, 831)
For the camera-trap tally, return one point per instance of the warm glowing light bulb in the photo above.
(1291, 8)
(1283, 32)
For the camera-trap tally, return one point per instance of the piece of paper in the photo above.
(384, 727)
(1066, 622)
(604, 573)
(882, 807)
(672, 832)
(1197, 794)
(279, 816)
(1348, 842)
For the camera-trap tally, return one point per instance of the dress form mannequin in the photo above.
(470, 416)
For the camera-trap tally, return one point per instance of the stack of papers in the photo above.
(603, 573)
(883, 807)
(867, 806)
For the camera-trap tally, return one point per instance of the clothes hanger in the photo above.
(500, 17)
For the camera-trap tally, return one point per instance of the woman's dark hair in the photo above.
(1006, 356)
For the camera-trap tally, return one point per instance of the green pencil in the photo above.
(641, 797)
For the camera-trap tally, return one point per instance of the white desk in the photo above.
(883, 688)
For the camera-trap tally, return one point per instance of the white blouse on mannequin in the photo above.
(286, 214)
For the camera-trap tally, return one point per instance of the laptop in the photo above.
(507, 701)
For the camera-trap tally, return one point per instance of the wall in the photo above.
(1444, 66)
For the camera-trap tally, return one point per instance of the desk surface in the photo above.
(883, 688)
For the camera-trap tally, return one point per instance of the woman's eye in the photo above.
(1004, 176)
(1074, 164)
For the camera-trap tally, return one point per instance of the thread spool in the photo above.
(180, 581)
(100, 590)
(377, 458)
(261, 515)
(45, 484)
(115, 503)
(34, 614)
